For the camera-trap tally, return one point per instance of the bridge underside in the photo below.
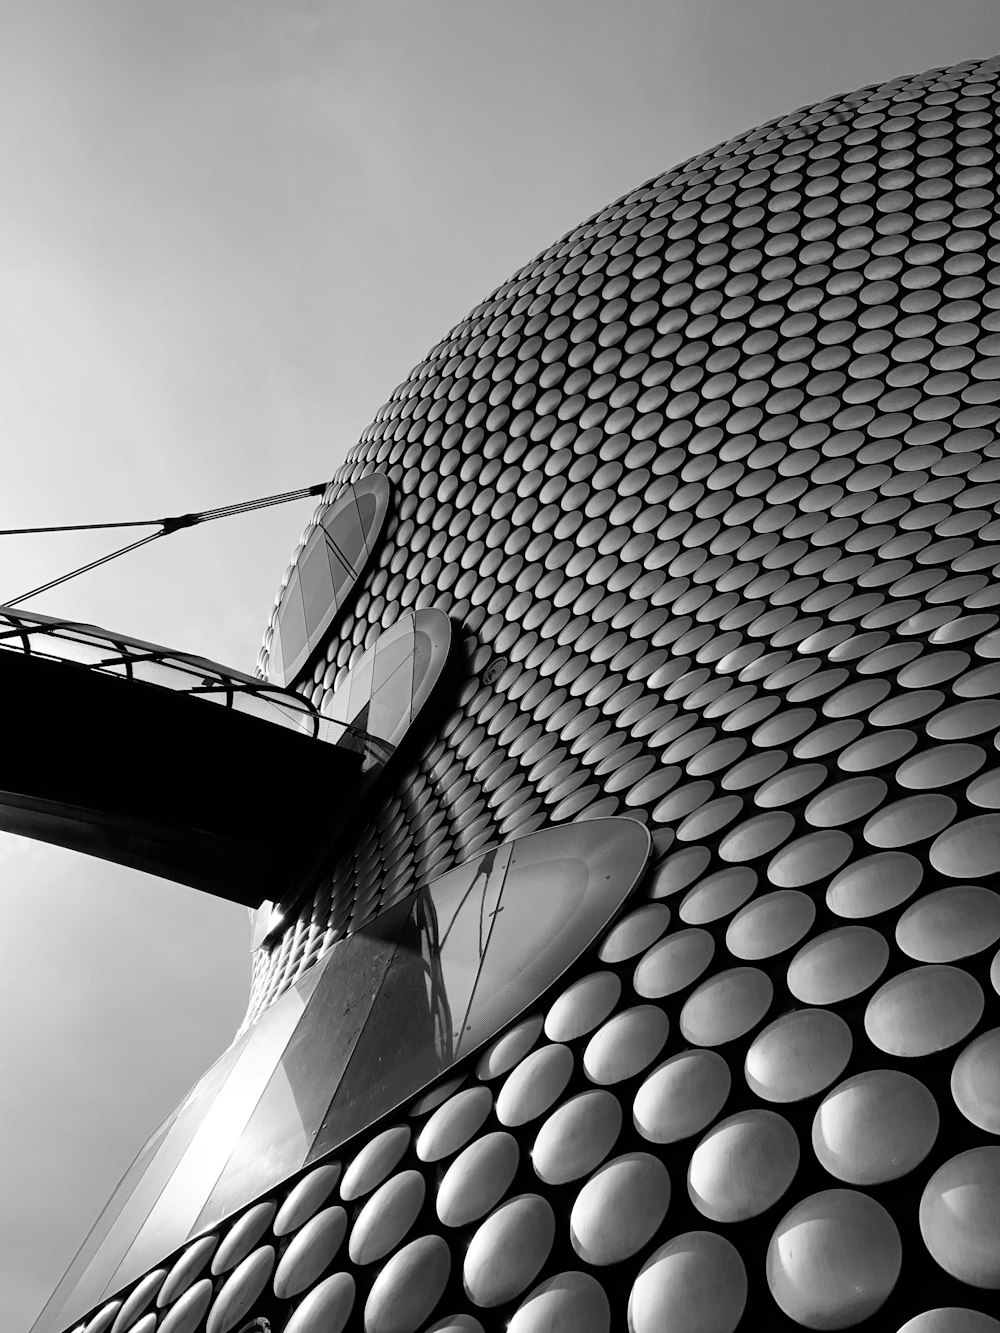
(166, 782)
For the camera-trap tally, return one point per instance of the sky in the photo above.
(228, 228)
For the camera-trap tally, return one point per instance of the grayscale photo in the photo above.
(500, 633)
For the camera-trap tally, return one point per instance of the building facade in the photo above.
(646, 973)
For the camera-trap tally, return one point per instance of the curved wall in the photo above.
(709, 491)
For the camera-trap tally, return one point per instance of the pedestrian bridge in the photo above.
(168, 762)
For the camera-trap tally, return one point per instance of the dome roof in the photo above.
(696, 485)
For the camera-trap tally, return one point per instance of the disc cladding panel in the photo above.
(709, 491)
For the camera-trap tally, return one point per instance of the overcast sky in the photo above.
(228, 229)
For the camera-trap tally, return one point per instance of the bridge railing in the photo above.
(126, 658)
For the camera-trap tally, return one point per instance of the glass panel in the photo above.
(326, 571)
(344, 535)
(561, 888)
(423, 658)
(51, 645)
(288, 710)
(464, 915)
(122, 670)
(203, 667)
(223, 697)
(393, 651)
(279, 698)
(73, 649)
(281, 1130)
(291, 622)
(415, 1023)
(497, 932)
(389, 712)
(388, 685)
(276, 659)
(316, 582)
(298, 715)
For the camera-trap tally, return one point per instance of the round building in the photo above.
(651, 979)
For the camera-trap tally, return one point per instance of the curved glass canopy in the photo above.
(391, 1008)
(323, 576)
(387, 687)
